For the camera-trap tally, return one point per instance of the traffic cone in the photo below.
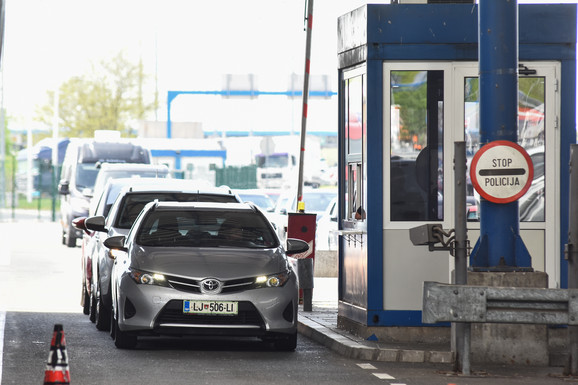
(57, 364)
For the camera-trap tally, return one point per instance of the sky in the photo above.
(184, 45)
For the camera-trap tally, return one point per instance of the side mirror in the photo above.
(78, 223)
(116, 243)
(64, 187)
(296, 246)
(95, 223)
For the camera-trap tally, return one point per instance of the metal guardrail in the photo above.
(480, 304)
(463, 304)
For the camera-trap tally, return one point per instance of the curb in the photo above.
(355, 348)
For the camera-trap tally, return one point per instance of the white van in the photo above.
(79, 172)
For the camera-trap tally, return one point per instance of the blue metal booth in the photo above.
(409, 88)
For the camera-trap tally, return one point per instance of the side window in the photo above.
(355, 122)
(531, 136)
(416, 153)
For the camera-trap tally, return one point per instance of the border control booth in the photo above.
(409, 88)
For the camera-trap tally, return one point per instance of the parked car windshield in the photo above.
(261, 200)
(206, 228)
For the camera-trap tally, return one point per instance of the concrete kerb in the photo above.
(354, 347)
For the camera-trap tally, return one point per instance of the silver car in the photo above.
(204, 269)
(130, 200)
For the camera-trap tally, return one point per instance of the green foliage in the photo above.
(107, 99)
(413, 104)
(45, 203)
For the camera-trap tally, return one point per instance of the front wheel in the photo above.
(69, 237)
(123, 340)
(85, 301)
(92, 315)
(102, 312)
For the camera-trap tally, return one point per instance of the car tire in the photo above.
(111, 324)
(286, 343)
(86, 301)
(69, 237)
(102, 316)
(123, 340)
(92, 315)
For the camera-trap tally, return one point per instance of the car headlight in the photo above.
(273, 280)
(146, 278)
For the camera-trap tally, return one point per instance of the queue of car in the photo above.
(175, 257)
(129, 202)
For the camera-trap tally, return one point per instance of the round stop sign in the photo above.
(502, 171)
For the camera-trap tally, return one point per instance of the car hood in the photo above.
(198, 263)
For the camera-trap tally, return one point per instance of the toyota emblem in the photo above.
(210, 286)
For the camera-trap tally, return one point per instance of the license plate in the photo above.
(211, 307)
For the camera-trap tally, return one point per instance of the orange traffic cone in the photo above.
(57, 364)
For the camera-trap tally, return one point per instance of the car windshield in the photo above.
(273, 160)
(86, 174)
(206, 228)
(317, 201)
(263, 201)
(132, 204)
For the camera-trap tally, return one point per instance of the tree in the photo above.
(107, 99)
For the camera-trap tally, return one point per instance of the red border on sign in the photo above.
(485, 148)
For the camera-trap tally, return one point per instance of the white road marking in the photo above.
(367, 366)
(383, 376)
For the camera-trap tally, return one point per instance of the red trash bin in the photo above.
(302, 226)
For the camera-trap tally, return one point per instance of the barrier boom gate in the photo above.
(480, 304)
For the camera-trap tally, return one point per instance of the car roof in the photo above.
(176, 185)
(132, 181)
(184, 206)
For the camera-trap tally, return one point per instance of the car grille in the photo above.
(172, 313)
(194, 286)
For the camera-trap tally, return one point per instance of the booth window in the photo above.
(531, 136)
(416, 160)
(355, 146)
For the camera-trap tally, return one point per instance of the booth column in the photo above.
(500, 247)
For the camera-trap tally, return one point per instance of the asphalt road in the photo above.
(40, 287)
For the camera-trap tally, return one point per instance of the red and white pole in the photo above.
(309, 19)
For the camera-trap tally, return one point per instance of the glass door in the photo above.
(538, 134)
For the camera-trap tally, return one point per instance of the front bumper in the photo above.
(156, 310)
